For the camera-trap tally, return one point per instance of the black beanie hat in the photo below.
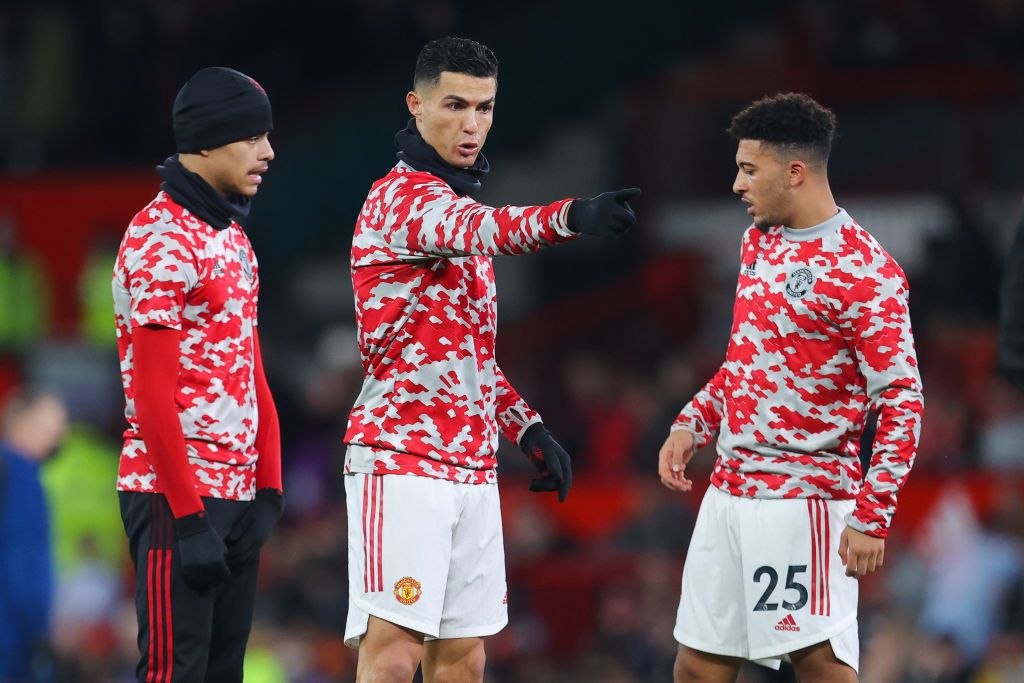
(218, 106)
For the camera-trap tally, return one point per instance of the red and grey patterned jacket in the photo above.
(820, 334)
(433, 399)
(175, 270)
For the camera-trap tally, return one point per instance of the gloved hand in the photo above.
(201, 550)
(549, 458)
(608, 214)
(252, 528)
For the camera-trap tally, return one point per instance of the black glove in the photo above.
(549, 458)
(202, 552)
(608, 214)
(252, 528)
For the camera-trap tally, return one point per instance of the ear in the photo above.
(797, 173)
(415, 104)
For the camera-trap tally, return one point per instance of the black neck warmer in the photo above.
(414, 150)
(195, 194)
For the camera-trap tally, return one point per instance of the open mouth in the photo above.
(468, 149)
(255, 176)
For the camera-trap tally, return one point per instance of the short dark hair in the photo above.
(791, 122)
(458, 55)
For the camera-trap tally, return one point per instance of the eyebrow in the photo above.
(463, 100)
(741, 164)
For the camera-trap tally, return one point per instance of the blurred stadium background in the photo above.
(607, 340)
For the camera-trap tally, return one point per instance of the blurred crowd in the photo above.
(594, 583)
(608, 346)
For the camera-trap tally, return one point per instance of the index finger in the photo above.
(627, 194)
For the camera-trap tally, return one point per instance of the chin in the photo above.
(459, 161)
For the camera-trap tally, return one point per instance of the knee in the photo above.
(386, 668)
(469, 668)
(825, 673)
(684, 671)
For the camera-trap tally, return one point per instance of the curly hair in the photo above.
(458, 55)
(793, 123)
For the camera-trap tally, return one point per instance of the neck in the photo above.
(185, 184)
(820, 207)
(415, 151)
(195, 164)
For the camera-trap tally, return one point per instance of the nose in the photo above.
(267, 151)
(470, 124)
(739, 184)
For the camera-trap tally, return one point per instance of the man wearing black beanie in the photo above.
(199, 480)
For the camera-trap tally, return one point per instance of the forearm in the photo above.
(437, 223)
(514, 415)
(900, 408)
(268, 433)
(702, 416)
(156, 367)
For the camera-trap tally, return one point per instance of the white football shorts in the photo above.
(763, 578)
(426, 554)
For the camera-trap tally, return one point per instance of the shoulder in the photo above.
(755, 236)
(866, 253)
(162, 219)
(405, 182)
(161, 238)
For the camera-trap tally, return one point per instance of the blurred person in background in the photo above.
(426, 557)
(821, 333)
(200, 473)
(33, 427)
(24, 293)
(1011, 322)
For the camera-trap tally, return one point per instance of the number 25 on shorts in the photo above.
(792, 584)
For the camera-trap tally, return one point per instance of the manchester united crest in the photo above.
(407, 590)
(799, 283)
(243, 257)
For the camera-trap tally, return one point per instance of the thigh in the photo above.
(388, 652)
(476, 597)
(399, 547)
(712, 613)
(796, 592)
(821, 663)
(693, 665)
(174, 621)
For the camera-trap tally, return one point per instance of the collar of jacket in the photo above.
(195, 194)
(414, 150)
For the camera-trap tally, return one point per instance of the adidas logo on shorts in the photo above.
(788, 623)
